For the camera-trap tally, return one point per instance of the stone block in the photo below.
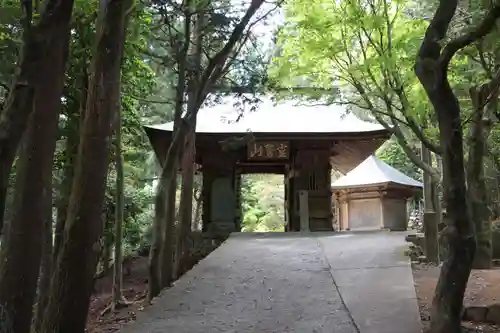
(416, 239)
(495, 239)
(476, 314)
(493, 315)
(220, 229)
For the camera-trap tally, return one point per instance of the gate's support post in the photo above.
(304, 210)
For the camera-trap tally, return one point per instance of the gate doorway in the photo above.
(263, 203)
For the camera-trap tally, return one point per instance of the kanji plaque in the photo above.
(268, 150)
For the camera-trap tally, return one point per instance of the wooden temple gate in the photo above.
(301, 142)
(305, 160)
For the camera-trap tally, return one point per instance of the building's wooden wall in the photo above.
(395, 214)
(373, 208)
(308, 168)
(314, 176)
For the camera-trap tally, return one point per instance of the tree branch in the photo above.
(484, 28)
(215, 65)
(398, 133)
(436, 32)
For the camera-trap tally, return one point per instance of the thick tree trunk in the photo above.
(432, 70)
(162, 250)
(41, 39)
(167, 253)
(186, 203)
(458, 234)
(478, 197)
(72, 282)
(46, 267)
(165, 201)
(154, 265)
(198, 206)
(117, 298)
(34, 175)
(186, 200)
(70, 152)
(431, 217)
(161, 254)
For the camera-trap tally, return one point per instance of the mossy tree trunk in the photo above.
(39, 84)
(72, 281)
(117, 296)
(189, 156)
(70, 153)
(46, 265)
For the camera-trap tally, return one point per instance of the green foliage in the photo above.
(138, 82)
(9, 42)
(137, 212)
(392, 154)
(262, 203)
(366, 48)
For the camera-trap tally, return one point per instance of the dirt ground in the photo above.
(483, 289)
(135, 287)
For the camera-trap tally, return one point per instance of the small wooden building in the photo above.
(373, 196)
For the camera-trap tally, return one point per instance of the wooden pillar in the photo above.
(220, 193)
(382, 218)
(314, 177)
(238, 219)
(290, 200)
(208, 177)
(304, 210)
(345, 216)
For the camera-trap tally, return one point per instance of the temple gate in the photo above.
(303, 143)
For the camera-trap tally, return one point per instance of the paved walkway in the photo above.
(288, 282)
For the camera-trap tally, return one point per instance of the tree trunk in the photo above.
(38, 40)
(117, 298)
(70, 152)
(162, 247)
(186, 203)
(107, 244)
(165, 200)
(458, 234)
(161, 253)
(34, 172)
(198, 206)
(478, 196)
(186, 200)
(431, 68)
(45, 267)
(169, 218)
(76, 263)
(154, 266)
(431, 218)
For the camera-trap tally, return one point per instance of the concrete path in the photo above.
(289, 282)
